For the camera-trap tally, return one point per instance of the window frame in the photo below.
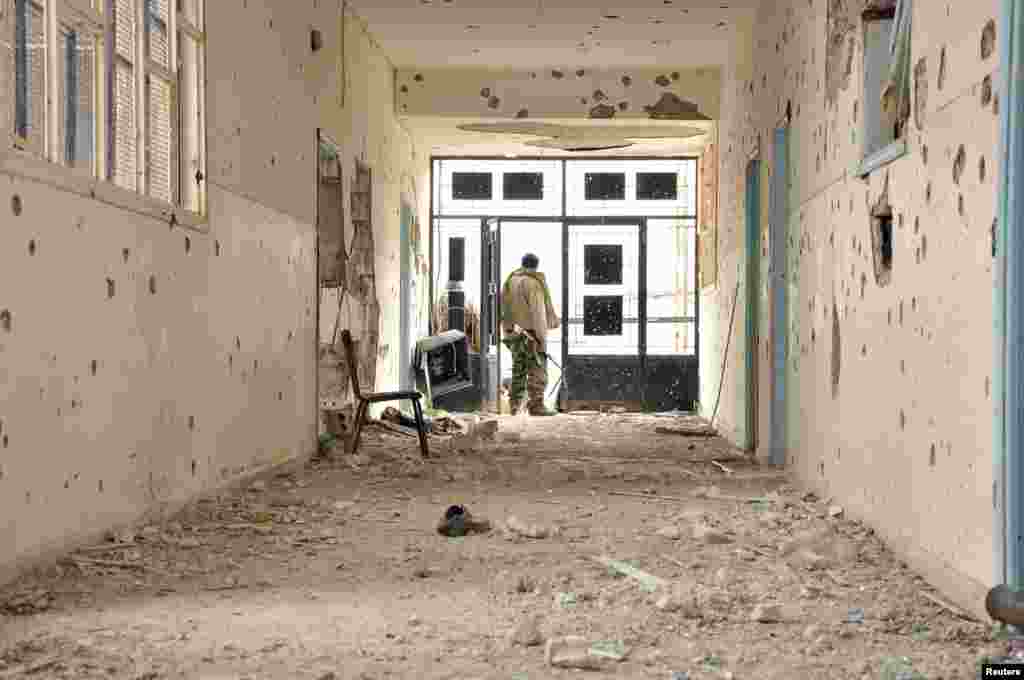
(896, 147)
(188, 202)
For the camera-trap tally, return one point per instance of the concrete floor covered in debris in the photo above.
(335, 569)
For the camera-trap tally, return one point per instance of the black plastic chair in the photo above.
(363, 401)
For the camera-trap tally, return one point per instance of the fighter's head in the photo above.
(530, 261)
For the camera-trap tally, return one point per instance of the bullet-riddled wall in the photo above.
(888, 380)
(143, 362)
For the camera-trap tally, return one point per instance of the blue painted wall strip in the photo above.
(779, 218)
(753, 204)
(1009, 440)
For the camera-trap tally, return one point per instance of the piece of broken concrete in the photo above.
(672, 533)
(528, 633)
(521, 528)
(710, 536)
(767, 613)
(577, 652)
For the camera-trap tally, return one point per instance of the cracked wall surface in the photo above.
(144, 363)
(916, 351)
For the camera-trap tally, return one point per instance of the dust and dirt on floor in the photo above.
(608, 545)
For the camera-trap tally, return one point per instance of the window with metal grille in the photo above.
(523, 186)
(30, 50)
(472, 186)
(605, 186)
(79, 57)
(657, 186)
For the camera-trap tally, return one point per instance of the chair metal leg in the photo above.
(357, 429)
(421, 428)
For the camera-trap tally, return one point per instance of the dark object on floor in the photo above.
(1006, 605)
(363, 401)
(395, 416)
(688, 431)
(458, 521)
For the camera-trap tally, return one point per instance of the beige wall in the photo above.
(930, 362)
(212, 376)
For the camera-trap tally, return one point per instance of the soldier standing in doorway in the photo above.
(527, 316)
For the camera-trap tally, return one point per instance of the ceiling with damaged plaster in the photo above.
(543, 33)
(555, 137)
(476, 77)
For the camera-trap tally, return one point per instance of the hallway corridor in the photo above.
(335, 569)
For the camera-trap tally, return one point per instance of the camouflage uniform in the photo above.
(529, 373)
(526, 306)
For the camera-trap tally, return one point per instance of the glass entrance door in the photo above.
(603, 332)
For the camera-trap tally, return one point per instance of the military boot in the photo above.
(541, 410)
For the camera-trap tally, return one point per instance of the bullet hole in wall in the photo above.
(93, 367)
(986, 90)
(931, 456)
(125, 253)
(988, 39)
(981, 169)
(928, 192)
(903, 420)
(110, 288)
(924, 154)
(627, 81)
(6, 323)
(32, 247)
(993, 229)
(557, 75)
(216, 248)
(836, 350)
(920, 92)
(100, 486)
(942, 67)
(523, 113)
(194, 467)
(188, 245)
(16, 205)
(882, 240)
(960, 209)
(959, 161)
(316, 40)
(152, 284)
(191, 423)
(485, 93)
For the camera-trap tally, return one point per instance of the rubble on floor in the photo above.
(620, 550)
